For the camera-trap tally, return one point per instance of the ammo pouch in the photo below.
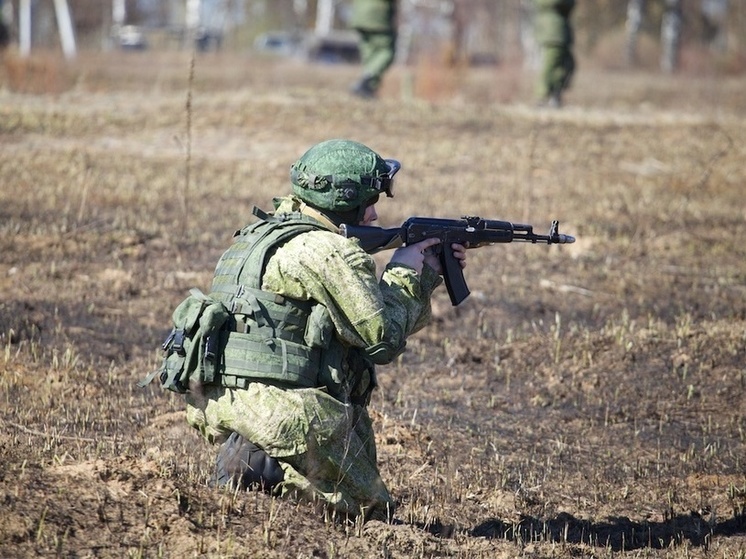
(273, 339)
(291, 344)
(193, 349)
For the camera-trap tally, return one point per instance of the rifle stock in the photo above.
(470, 231)
(373, 239)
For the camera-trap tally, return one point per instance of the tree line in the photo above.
(460, 31)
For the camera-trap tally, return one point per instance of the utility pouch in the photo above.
(193, 350)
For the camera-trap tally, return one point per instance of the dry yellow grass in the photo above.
(585, 401)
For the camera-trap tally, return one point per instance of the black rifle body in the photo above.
(469, 231)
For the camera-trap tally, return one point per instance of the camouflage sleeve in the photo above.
(336, 272)
(397, 276)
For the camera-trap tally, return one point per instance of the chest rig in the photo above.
(275, 339)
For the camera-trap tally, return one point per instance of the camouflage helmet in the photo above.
(342, 175)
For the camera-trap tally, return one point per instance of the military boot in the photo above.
(365, 88)
(240, 463)
(555, 100)
(552, 101)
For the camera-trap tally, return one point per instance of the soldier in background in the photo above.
(375, 21)
(554, 34)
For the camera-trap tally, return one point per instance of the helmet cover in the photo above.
(341, 175)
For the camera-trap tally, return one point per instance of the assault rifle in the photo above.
(470, 231)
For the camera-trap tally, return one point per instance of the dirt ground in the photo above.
(586, 400)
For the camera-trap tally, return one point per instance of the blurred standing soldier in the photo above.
(307, 321)
(555, 35)
(375, 21)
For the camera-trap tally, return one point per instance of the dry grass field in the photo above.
(586, 400)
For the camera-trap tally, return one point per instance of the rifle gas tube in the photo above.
(469, 231)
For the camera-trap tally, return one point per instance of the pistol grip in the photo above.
(453, 275)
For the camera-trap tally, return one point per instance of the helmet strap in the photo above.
(361, 213)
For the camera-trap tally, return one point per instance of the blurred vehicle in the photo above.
(338, 47)
(284, 43)
(207, 39)
(131, 37)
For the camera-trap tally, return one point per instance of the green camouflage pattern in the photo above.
(377, 53)
(553, 23)
(563, 7)
(336, 272)
(373, 15)
(375, 21)
(557, 69)
(326, 448)
(325, 445)
(347, 161)
(554, 32)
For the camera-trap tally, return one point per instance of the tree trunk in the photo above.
(324, 17)
(671, 36)
(635, 11)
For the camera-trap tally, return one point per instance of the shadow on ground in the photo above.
(617, 534)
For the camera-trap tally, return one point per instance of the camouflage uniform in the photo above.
(555, 35)
(323, 440)
(375, 21)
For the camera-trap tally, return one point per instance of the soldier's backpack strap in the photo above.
(246, 260)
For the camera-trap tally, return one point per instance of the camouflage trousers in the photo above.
(558, 67)
(326, 448)
(377, 51)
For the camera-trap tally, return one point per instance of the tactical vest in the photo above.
(275, 339)
(239, 333)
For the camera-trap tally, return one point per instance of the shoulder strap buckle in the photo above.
(261, 214)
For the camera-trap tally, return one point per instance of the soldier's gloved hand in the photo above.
(416, 255)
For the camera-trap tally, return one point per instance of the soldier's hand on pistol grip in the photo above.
(417, 254)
